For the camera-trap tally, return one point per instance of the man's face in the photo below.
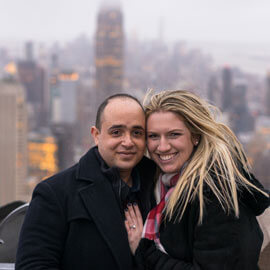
(121, 138)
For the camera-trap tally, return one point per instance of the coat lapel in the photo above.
(100, 202)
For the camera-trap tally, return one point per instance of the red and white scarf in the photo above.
(164, 189)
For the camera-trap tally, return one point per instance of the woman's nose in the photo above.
(163, 145)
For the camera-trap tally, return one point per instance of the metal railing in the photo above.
(7, 266)
(9, 235)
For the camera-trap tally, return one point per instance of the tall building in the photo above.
(86, 114)
(213, 90)
(13, 143)
(33, 78)
(109, 52)
(64, 115)
(226, 99)
(29, 51)
(241, 119)
(42, 156)
(267, 98)
(65, 139)
(64, 97)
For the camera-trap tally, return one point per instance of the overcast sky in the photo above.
(215, 20)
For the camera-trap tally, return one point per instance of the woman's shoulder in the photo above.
(248, 196)
(252, 198)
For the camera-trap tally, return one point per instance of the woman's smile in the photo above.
(167, 157)
(169, 141)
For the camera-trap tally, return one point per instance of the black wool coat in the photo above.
(74, 220)
(221, 242)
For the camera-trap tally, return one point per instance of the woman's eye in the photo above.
(175, 134)
(152, 136)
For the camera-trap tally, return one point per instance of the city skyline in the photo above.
(49, 21)
(64, 83)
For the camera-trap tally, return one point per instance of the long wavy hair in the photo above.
(217, 162)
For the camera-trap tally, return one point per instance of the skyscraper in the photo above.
(33, 78)
(213, 90)
(267, 98)
(109, 52)
(226, 99)
(13, 143)
(42, 156)
(64, 110)
(64, 98)
(241, 118)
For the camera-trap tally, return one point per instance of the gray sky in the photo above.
(215, 20)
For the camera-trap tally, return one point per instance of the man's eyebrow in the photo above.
(139, 127)
(123, 126)
(116, 126)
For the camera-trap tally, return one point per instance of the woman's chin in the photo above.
(169, 169)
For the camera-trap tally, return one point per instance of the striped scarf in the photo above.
(164, 189)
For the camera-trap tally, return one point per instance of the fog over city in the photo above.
(208, 20)
(60, 59)
(233, 32)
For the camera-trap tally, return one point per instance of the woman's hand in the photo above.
(134, 226)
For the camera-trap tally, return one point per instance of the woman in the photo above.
(207, 199)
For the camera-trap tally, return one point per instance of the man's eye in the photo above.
(115, 132)
(138, 133)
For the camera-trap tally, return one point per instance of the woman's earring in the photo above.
(196, 143)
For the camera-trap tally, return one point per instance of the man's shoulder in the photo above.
(147, 160)
(147, 169)
(64, 173)
(62, 178)
(81, 170)
(146, 164)
(74, 171)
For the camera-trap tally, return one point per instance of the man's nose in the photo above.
(163, 145)
(127, 140)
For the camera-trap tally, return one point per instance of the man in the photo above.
(76, 218)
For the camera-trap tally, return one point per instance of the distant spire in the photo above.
(267, 97)
(29, 51)
(107, 4)
(109, 50)
(161, 29)
(226, 88)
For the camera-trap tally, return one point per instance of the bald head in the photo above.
(103, 105)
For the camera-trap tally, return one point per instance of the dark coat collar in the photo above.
(88, 164)
(99, 200)
(87, 167)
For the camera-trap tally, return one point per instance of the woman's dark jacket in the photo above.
(221, 242)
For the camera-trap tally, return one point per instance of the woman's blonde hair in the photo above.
(218, 160)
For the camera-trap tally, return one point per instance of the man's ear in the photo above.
(95, 134)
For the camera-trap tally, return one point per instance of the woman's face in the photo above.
(169, 141)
